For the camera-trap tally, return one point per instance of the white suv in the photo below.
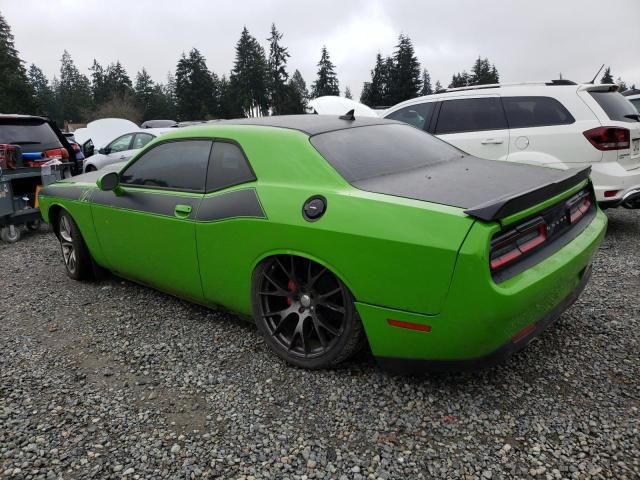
(558, 124)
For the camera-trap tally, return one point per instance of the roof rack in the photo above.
(514, 84)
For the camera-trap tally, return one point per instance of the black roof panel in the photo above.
(310, 124)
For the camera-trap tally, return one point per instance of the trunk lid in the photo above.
(488, 190)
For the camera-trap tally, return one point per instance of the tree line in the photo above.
(258, 84)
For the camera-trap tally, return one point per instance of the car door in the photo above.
(147, 231)
(476, 125)
(226, 229)
(118, 150)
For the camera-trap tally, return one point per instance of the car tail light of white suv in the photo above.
(609, 138)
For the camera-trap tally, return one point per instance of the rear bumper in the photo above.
(611, 176)
(402, 366)
(483, 321)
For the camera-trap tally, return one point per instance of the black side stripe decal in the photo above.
(239, 203)
(155, 203)
(68, 193)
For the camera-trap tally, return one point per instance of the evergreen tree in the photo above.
(99, 87)
(622, 85)
(607, 77)
(16, 95)
(483, 73)
(426, 83)
(249, 76)
(327, 81)
(145, 90)
(438, 87)
(74, 94)
(229, 104)
(299, 93)
(405, 75)
(373, 92)
(196, 88)
(118, 82)
(347, 92)
(460, 80)
(278, 76)
(44, 102)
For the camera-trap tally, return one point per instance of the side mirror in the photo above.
(110, 182)
(104, 151)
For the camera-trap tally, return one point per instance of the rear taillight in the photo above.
(508, 247)
(57, 153)
(579, 209)
(609, 138)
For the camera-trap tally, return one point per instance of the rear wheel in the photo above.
(76, 256)
(305, 313)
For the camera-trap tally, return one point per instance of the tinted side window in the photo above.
(227, 167)
(525, 112)
(416, 115)
(121, 144)
(470, 115)
(180, 165)
(636, 103)
(141, 140)
(615, 106)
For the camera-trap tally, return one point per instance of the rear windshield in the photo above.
(31, 134)
(615, 106)
(367, 152)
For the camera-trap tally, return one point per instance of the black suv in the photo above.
(39, 139)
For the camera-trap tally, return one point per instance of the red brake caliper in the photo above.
(292, 288)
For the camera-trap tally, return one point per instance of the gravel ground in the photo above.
(114, 380)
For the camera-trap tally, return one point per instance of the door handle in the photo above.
(492, 141)
(123, 157)
(182, 211)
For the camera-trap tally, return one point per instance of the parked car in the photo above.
(122, 148)
(634, 97)
(99, 133)
(558, 124)
(77, 149)
(330, 235)
(335, 105)
(159, 124)
(40, 140)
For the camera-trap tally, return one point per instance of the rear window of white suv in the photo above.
(615, 106)
(523, 112)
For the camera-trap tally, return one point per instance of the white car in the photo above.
(557, 124)
(122, 148)
(334, 105)
(634, 97)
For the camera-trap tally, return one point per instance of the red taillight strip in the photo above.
(506, 258)
(580, 210)
(518, 250)
(410, 325)
(523, 333)
(534, 242)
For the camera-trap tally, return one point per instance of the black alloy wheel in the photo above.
(305, 312)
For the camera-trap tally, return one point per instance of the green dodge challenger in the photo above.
(332, 232)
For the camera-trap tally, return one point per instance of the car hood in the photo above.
(105, 130)
(486, 189)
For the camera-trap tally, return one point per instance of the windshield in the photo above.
(31, 134)
(615, 106)
(362, 153)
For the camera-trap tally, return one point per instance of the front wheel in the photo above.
(76, 256)
(305, 313)
(90, 168)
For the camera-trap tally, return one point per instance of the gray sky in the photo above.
(526, 39)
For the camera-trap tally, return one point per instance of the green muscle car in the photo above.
(334, 232)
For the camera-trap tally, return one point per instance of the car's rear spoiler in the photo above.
(507, 205)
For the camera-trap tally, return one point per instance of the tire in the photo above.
(90, 168)
(10, 233)
(305, 313)
(75, 254)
